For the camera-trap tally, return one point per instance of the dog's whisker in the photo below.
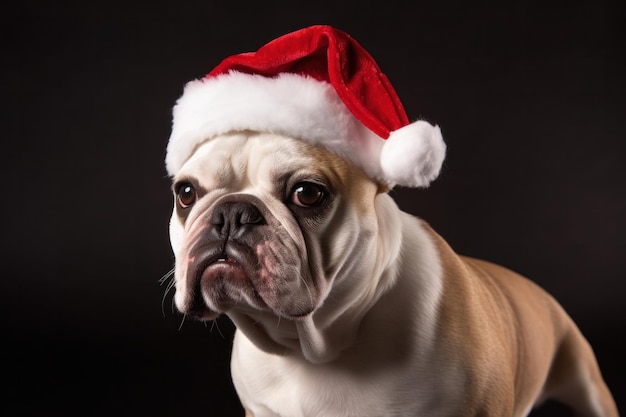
(170, 285)
(166, 276)
(182, 322)
(173, 305)
(215, 324)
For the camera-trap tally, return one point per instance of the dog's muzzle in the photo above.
(223, 260)
(239, 255)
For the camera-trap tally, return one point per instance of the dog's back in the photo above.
(521, 340)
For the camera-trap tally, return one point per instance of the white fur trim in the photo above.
(412, 155)
(287, 104)
(303, 108)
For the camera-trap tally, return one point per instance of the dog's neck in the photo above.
(321, 336)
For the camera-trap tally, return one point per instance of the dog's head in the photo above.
(267, 224)
(291, 225)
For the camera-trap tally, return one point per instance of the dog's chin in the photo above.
(225, 283)
(219, 283)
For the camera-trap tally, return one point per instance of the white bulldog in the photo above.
(347, 306)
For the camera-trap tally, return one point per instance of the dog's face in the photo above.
(265, 223)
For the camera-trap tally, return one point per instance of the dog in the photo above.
(347, 306)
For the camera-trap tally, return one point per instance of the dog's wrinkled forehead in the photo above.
(238, 160)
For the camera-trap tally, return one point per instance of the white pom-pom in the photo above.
(413, 155)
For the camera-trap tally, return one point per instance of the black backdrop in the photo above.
(530, 98)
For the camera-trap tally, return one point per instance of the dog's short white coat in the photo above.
(400, 325)
(355, 384)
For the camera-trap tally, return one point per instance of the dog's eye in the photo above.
(307, 194)
(186, 195)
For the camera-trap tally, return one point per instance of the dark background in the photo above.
(530, 98)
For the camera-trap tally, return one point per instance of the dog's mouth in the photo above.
(222, 259)
(220, 277)
(218, 268)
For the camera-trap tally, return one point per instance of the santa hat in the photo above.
(319, 85)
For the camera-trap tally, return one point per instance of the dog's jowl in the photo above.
(281, 162)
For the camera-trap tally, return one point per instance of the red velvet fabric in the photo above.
(330, 55)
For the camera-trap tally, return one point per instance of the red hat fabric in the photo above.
(319, 85)
(329, 55)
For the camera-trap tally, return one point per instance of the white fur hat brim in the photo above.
(304, 108)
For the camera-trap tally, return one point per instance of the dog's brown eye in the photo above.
(307, 194)
(186, 195)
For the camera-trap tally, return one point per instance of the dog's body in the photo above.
(347, 306)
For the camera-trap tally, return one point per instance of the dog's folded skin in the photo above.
(347, 306)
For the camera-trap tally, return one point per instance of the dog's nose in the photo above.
(235, 218)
